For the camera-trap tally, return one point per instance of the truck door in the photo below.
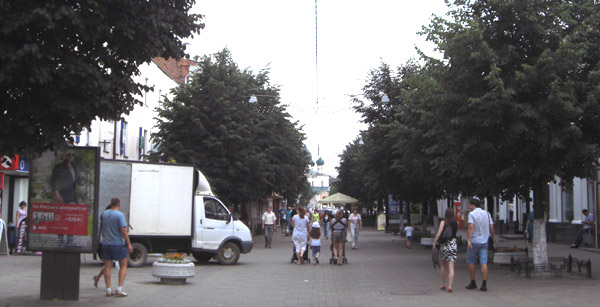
(216, 225)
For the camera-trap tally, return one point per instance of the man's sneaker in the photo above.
(471, 286)
(110, 292)
(574, 246)
(483, 288)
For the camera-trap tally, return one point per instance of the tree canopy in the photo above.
(65, 63)
(512, 104)
(246, 150)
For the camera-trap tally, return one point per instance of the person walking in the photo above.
(480, 230)
(115, 245)
(268, 225)
(97, 277)
(408, 230)
(339, 226)
(290, 215)
(588, 225)
(283, 220)
(355, 226)
(21, 212)
(446, 235)
(326, 219)
(315, 217)
(315, 241)
(300, 224)
(529, 229)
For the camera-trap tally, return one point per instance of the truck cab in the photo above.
(217, 233)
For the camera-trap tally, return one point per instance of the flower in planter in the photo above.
(173, 258)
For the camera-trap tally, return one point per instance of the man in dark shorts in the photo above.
(114, 239)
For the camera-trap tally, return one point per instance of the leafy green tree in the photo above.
(247, 150)
(394, 144)
(65, 63)
(520, 83)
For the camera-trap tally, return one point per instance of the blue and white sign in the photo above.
(23, 165)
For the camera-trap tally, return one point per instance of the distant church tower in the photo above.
(320, 163)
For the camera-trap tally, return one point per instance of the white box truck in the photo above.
(170, 207)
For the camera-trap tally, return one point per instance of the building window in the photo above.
(567, 204)
(591, 195)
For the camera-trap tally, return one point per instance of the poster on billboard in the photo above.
(63, 197)
(394, 214)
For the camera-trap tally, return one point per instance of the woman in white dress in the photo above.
(300, 223)
(355, 226)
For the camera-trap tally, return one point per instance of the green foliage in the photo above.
(247, 151)
(512, 104)
(64, 63)
(520, 88)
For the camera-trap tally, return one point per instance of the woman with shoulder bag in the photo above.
(446, 235)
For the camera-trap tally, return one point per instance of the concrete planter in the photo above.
(173, 273)
(427, 241)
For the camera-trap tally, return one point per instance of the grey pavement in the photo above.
(380, 273)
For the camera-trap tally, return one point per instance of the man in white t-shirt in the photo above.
(268, 225)
(481, 227)
(408, 230)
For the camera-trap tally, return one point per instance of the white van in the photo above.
(170, 207)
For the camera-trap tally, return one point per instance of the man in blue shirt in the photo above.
(588, 226)
(283, 219)
(114, 238)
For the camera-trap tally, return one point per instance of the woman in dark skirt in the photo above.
(448, 247)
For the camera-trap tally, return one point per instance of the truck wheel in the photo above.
(138, 257)
(229, 254)
(203, 257)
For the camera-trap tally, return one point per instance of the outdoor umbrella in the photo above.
(338, 198)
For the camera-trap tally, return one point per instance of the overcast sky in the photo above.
(353, 38)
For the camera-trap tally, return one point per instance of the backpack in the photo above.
(446, 234)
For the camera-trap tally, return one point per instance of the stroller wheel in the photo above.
(345, 261)
(292, 261)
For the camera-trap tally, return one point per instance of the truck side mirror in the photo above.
(228, 218)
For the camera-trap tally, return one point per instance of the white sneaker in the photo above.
(110, 292)
(120, 293)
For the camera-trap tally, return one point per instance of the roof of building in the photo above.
(314, 173)
(319, 190)
(320, 161)
(177, 70)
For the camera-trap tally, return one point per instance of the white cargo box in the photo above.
(156, 198)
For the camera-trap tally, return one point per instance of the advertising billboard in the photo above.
(63, 193)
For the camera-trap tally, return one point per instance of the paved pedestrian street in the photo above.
(380, 273)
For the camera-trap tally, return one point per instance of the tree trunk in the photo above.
(540, 248)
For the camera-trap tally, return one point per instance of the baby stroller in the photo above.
(305, 257)
(333, 260)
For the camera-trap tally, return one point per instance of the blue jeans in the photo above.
(326, 226)
(480, 249)
(579, 237)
